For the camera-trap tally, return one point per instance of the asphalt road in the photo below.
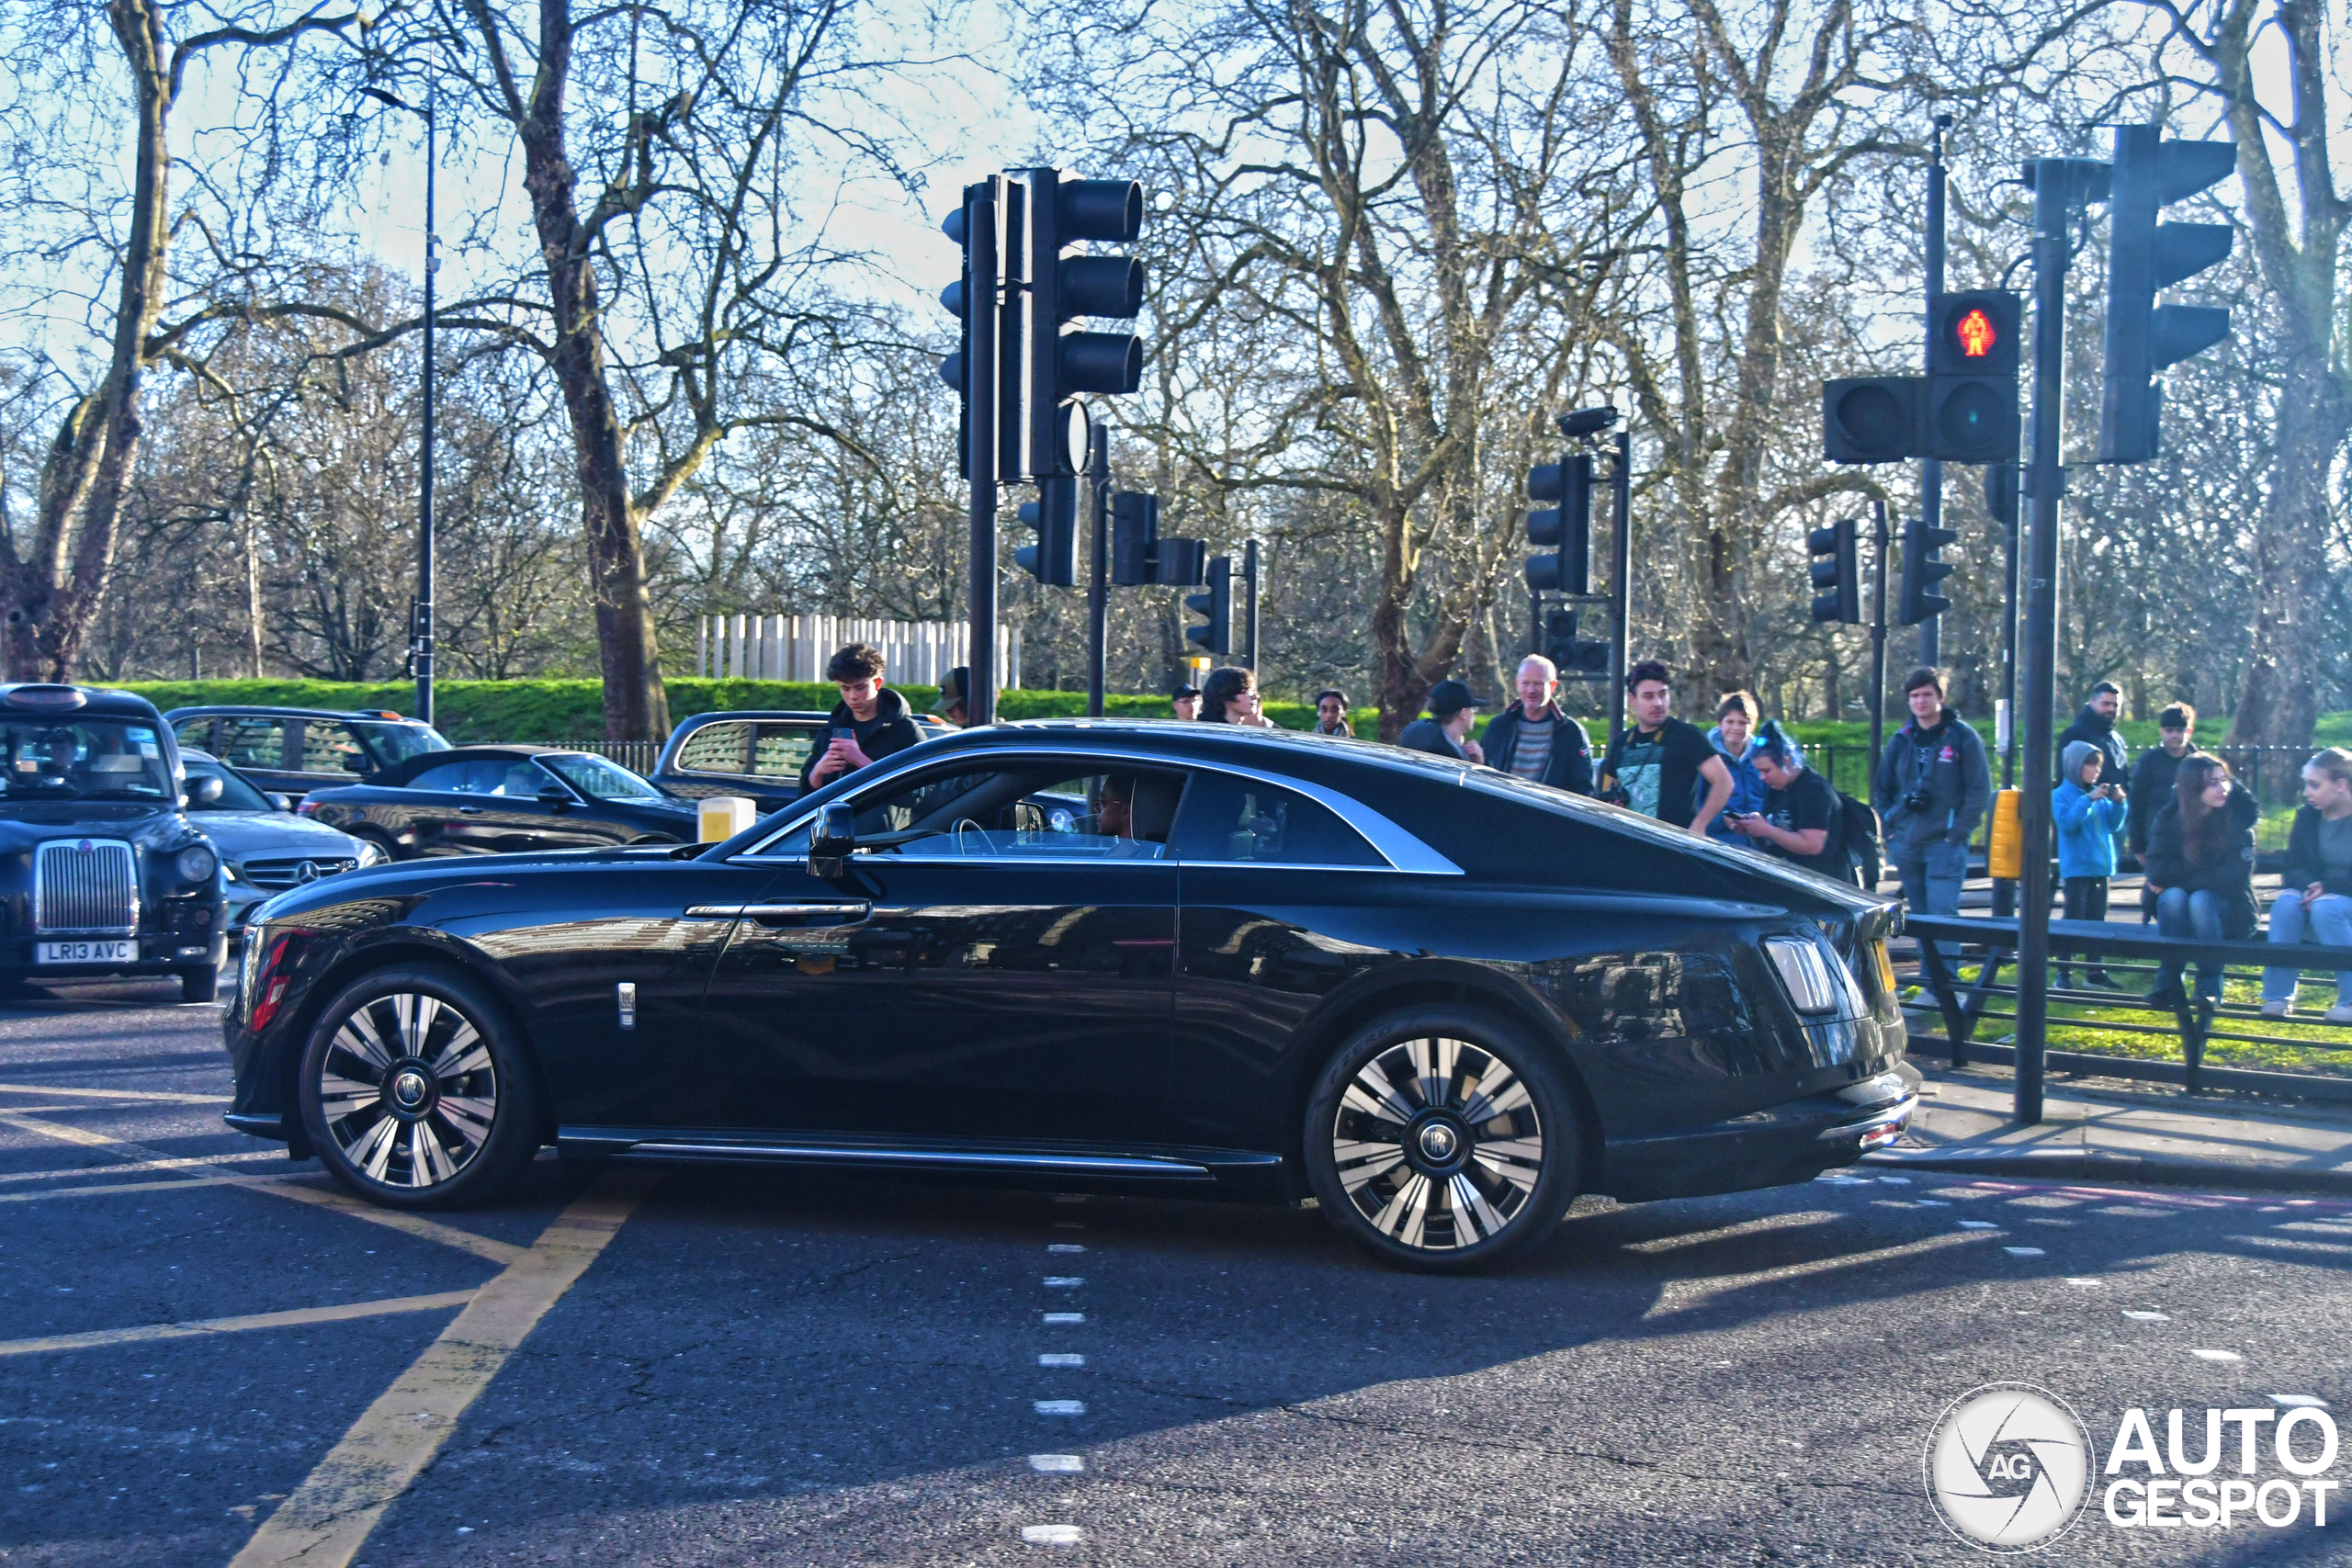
(769, 1369)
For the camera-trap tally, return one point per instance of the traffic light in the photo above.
(1837, 567)
(1567, 525)
(1062, 363)
(1216, 637)
(1871, 419)
(1922, 571)
(960, 297)
(1579, 658)
(2143, 256)
(1971, 412)
(1053, 559)
(1135, 538)
(1181, 563)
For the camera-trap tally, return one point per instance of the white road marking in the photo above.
(1896, 1181)
(2147, 1316)
(1057, 1464)
(2078, 1280)
(151, 1096)
(1065, 1247)
(126, 1168)
(1063, 1318)
(1053, 1535)
(1064, 1281)
(2025, 1252)
(2299, 1401)
(1978, 1225)
(1060, 1359)
(1933, 1203)
(2217, 1355)
(1061, 1406)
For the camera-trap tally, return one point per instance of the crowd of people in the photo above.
(1745, 781)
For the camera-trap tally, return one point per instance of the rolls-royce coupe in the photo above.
(1126, 956)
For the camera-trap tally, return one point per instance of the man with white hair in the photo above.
(1532, 739)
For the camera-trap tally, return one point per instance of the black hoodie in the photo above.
(2096, 728)
(892, 729)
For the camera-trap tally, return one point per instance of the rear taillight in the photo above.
(267, 993)
(306, 807)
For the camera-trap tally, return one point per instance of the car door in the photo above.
(326, 753)
(1000, 982)
(254, 744)
(445, 809)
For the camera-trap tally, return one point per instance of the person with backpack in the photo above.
(1801, 820)
(1661, 766)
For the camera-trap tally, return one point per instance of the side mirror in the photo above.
(832, 841)
(203, 792)
(555, 795)
(281, 802)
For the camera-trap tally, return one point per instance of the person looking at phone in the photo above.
(1799, 819)
(870, 721)
(2087, 807)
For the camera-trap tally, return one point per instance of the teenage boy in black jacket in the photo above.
(2155, 773)
(869, 722)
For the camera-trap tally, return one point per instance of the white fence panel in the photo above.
(796, 648)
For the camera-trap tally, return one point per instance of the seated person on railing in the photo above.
(2201, 864)
(2316, 903)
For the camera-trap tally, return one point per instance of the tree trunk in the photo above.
(2278, 700)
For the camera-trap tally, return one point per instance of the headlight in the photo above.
(1804, 974)
(368, 856)
(195, 863)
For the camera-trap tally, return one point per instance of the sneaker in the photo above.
(2162, 996)
(2340, 1013)
(2273, 1009)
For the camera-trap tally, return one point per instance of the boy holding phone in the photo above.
(871, 721)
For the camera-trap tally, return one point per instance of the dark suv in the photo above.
(293, 752)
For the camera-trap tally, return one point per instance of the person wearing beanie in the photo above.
(2087, 811)
(1446, 732)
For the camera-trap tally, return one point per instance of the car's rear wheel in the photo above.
(416, 1092)
(1443, 1139)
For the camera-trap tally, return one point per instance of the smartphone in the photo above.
(844, 732)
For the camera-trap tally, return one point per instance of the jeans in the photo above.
(2180, 912)
(2326, 918)
(1931, 879)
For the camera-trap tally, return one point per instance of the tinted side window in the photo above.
(782, 750)
(1244, 821)
(331, 748)
(252, 743)
(716, 749)
(450, 776)
(195, 733)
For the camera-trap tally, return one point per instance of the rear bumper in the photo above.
(1795, 1141)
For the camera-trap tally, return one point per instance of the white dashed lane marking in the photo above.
(2025, 1252)
(1053, 1535)
(1060, 1359)
(2217, 1355)
(2147, 1316)
(1064, 1281)
(1061, 1406)
(1058, 1318)
(1978, 1225)
(1057, 1464)
(1065, 1247)
(2299, 1401)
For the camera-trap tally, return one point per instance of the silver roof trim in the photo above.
(1402, 850)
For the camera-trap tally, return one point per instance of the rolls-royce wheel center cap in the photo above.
(408, 1090)
(1439, 1143)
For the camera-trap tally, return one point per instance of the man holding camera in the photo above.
(1931, 789)
(870, 720)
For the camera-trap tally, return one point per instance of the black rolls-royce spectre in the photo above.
(484, 800)
(1180, 959)
(101, 871)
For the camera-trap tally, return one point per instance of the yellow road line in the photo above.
(328, 1517)
(153, 1096)
(125, 1169)
(294, 1319)
(320, 1197)
(176, 1184)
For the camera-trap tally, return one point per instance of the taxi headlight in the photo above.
(195, 863)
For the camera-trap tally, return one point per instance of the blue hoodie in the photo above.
(1747, 791)
(2085, 830)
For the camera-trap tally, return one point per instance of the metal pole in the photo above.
(1621, 580)
(1249, 610)
(1878, 642)
(1098, 585)
(985, 306)
(425, 480)
(1931, 470)
(2055, 182)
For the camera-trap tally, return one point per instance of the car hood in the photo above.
(237, 834)
(155, 827)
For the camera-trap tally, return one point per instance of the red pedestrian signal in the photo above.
(1976, 334)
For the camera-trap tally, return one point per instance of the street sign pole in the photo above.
(1098, 595)
(1250, 609)
(1620, 579)
(981, 217)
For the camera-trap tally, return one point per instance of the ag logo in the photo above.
(2009, 1467)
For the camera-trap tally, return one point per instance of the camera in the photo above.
(1918, 798)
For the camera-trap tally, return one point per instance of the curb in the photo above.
(2059, 1164)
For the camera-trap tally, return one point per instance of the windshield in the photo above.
(599, 779)
(90, 759)
(398, 742)
(236, 794)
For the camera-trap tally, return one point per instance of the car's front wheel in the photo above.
(416, 1091)
(1443, 1139)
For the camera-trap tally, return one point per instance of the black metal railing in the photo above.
(1949, 945)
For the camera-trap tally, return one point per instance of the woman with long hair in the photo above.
(2314, 900)
(1230, 696)
(2200, 867)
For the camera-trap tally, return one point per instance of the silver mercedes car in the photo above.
(264, 846)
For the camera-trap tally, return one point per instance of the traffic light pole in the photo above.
(1931, 470)
(1878, 639)
(2057, 187)
(982, 396)
(1620, 579)
(1250, 609)
(1098, 585)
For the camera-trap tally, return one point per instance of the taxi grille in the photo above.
(88, 887)
(285, 871)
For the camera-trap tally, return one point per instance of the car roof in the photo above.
(371, 715)
(97, 702)
(400, 772)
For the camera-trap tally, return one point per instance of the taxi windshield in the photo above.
(89, 759)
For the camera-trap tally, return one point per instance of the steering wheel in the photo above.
(963, 824)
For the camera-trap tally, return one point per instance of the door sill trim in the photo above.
(1185, 1166)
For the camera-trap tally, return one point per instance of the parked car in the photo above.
(101, 871)
(265, 846)
(293, 752)
(758, 755)
(481, 800)
(1442, 1001)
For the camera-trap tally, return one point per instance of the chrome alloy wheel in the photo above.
(1437, 1144)
(407, 1090)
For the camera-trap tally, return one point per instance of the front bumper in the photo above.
(1795, 1141)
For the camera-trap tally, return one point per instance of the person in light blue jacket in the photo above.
(2087, 813)
(1733, 738)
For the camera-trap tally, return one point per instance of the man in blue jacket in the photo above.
(1931, 788)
